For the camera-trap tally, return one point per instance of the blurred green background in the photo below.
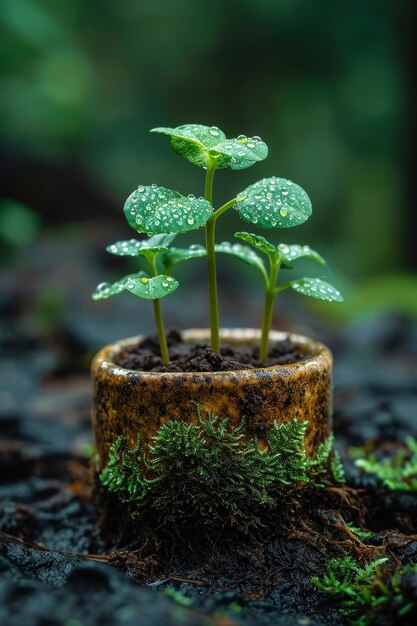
(328, 85)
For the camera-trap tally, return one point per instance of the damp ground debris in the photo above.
(348, 554)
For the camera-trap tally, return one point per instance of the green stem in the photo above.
(211, 259)
(158, 318)
(224, 208)
(270, 295)
(161, 331)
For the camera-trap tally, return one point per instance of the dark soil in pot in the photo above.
(145, 356)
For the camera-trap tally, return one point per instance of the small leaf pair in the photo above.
(198, 144)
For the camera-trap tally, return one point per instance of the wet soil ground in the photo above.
(58, 568)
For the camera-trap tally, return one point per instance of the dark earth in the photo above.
(58, 566)
(145, 356)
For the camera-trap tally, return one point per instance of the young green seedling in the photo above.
(270, 203)
(150, 287)
(281, 256)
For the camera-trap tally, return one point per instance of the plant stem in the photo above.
(268, 311)
(211, 259)
(161, 331)
(158, 317)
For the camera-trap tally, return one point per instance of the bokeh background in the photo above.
(328, 85)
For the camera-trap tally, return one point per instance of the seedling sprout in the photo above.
(163, 213)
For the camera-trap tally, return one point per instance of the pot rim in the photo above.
(320, 353)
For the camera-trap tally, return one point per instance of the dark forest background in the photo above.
(328, 85)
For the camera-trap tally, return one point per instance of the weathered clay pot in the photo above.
(128, 402)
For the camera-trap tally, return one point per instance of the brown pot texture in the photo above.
(130, 402)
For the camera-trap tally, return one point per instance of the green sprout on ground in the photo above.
(398, 472)
(214, 472)
(367, 593)
(160, 212)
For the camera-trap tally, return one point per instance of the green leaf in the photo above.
(274, 203)
(176, 255)
(244, 253)
(162, 240)
(196, 142)
(133, 247)
(151, 288)
(240, 153)
(258, 242)
(108, 290)
(193, 141)
(290, 253)
(157, 210)
(317, 288)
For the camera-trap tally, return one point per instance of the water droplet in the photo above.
(191, 196)
(144, 280)
(165, 284)
(154, 185)
(102, 286)
(242, 139)
(190, 221)
(214, 132)
(256, 138)
(285, 192)
(141, 188)
(251, 144)
(283, 212)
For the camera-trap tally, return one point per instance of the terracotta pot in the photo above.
(128, 402)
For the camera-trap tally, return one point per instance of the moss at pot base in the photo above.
(204, 479)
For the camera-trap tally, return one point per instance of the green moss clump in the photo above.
(209, 475)
(398, 472)
(368, 594)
